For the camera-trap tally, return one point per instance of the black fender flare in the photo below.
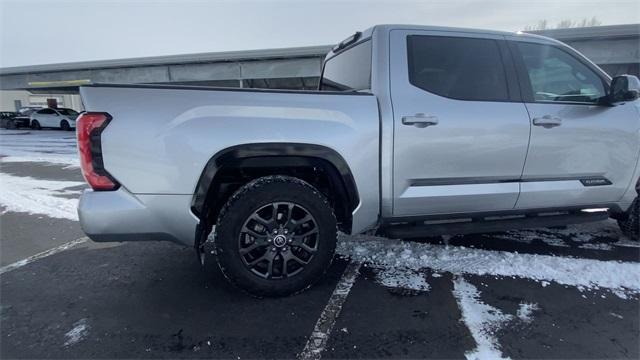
(277, 153)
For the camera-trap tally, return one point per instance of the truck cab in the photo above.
(478, 121)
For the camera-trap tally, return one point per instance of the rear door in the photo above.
(460, 129)
(582, 151)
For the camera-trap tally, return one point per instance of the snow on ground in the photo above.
(619, 277)
(403, 279)
(79, 331)
(56, 147)
(581, 233)
(525, 311)
(481, 319)
(35, 196)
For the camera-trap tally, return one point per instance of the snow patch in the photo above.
(616, 315)
(588, 273)
(627, 243)
(35, 196)
(596, 246)
(79, 331)
(582, 233)
(481, 319)
(526, 310)
(55, 147)
(402, 278)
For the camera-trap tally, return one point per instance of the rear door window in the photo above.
(457, 67)
(350, 70)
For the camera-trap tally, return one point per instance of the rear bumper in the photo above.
(119, 215)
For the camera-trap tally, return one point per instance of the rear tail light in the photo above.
(89, 127)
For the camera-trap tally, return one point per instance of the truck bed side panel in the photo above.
(160, 139)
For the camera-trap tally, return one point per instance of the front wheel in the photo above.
(35, 125)
(64, 125)
(275, 236)
(630, 225)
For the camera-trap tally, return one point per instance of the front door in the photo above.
(46, 117)
(582, 151)
(460, 129)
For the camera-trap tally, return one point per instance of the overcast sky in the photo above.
(42, 32)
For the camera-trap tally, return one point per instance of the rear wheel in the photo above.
(275, 236)
(64, 125)
(11, 124)
(630, 225)
(35, 125)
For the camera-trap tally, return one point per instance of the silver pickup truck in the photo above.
(413, 131)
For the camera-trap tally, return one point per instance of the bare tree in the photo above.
(590, 22)
(541, 25)
(564, 24)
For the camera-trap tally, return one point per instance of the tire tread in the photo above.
(237, 198)
(631, 225)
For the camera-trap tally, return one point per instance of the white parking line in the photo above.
(318, 339)
(43, 254)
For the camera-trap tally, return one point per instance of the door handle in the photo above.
(547, 121)
(420, 120)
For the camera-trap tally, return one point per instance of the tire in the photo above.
(11, 124)
(630, 226)
(64, 125)
(267, 255)
(35, 125)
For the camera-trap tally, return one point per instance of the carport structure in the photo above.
(615, 48)
(290, 68)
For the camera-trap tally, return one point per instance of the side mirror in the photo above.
(624, 88)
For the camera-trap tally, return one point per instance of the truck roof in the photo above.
(388, 27)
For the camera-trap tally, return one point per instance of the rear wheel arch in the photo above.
(231, 168)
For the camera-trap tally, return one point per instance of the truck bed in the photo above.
(160, 138)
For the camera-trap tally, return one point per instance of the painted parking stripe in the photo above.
(42, 255)
(318, 339)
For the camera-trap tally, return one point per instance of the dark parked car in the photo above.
(19, 119)
(6, 119)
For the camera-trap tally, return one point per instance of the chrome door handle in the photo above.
(547, 121)
(420, 120)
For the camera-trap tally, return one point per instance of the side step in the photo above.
(407, 231)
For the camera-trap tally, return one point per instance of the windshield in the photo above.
(350, 70)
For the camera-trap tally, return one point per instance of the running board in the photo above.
(408, 231)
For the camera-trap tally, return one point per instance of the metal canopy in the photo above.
(290, 66)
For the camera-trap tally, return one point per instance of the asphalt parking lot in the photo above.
(571, 292)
